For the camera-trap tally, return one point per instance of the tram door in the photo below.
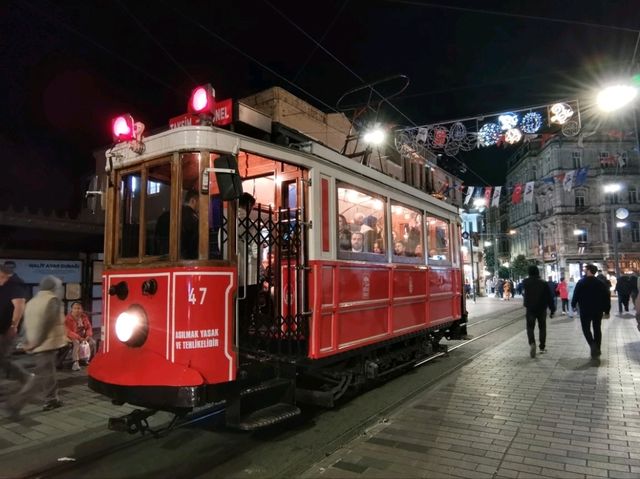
(270, 248)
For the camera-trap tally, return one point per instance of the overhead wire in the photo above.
(56, 21)
(326, 32)
(248, 56)
(319, 45)
(514, 15)
(157, 42)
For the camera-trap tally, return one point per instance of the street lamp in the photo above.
(614, 97)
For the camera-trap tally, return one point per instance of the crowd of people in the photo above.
(40, 325)
(590, 297)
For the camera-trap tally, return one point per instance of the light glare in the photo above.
(374, 137)
(615, 97)
(126, 324)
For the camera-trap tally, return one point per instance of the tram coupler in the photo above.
(134, 422)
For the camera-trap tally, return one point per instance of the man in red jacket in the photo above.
(79, 330)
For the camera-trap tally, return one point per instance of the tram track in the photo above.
(81, 464)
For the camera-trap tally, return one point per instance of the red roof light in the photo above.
(122, 128)
(202, 100)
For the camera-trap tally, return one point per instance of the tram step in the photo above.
(268, 416)
(269, 385)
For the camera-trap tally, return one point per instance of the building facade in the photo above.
(572, 220)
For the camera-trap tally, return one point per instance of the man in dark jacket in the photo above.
(537, 298)
(592, 296)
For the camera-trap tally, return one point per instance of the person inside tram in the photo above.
(398, 248)
(344, 234)
(358, 221)
(189, 231)
(357, 242)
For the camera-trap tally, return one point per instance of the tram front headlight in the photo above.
(132, 326)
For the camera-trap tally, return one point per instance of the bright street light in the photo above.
(374, 136)
(577, 232)
(487, 243)
(612, 187)
(621, 224)
(512, 232)
(479, 202)
(615, 97)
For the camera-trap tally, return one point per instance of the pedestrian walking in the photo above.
(563, 291)
(537, 298)
(570, 289)
(623, 289)
(12, 302)
(602, 278)
(45, 334)
(507, 290)
(592, 298)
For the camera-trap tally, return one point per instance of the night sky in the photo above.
(69, 67)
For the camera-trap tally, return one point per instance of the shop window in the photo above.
(361, 225)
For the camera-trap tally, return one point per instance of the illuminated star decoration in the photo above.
(489, 134)
(531, 122)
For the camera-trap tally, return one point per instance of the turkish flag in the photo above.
(516, 196)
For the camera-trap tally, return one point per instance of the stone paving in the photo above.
(505, 415)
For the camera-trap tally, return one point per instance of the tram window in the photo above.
(129, 198)
(361, 225)
(438, 240)
(157, 208)
(189, 222)
(406, 231)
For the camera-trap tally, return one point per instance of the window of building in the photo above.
(635, 231)
(619, 235)
(633, 195)
(606, 160)
(406, 231)
(580, 198)
(582, 236)
(361, 224)
(438, 240)
(576, 159)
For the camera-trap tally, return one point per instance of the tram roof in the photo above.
(207, 138)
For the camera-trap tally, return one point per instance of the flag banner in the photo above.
(496, 196)
(528, 192)
(567, 183)
(516, 196)
(548, 180)
(487, 195)
(581, 176)
(469, 195)
(559, 178)
(421, 136)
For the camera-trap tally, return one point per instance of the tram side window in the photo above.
(406, 231)
(361, 224)
(130, 186)
(157, 209)
(189, 221)
(438, 240)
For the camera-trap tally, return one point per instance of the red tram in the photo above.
(242, 271)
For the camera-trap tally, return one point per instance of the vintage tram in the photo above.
(239, 270)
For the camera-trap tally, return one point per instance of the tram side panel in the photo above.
(356, 304)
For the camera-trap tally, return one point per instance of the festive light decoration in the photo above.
(469, 142)
(457, 132)
(570, 128)
(489, 134)
(438, 136)
(560, 113)
(531, 122)
(508, 120)
(513, 136)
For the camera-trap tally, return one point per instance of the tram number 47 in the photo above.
(192, 295)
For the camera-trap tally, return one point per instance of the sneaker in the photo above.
(542, 350)
(532, 348)
(53, 404)
(76, 366)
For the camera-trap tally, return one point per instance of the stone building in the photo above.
(567, 226)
